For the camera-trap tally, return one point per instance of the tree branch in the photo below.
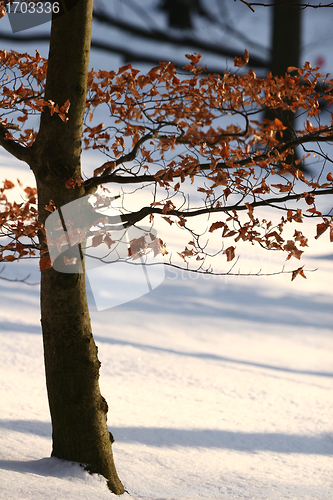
(17, 280)
(135, 217)
(20, 152)
(296, 5)
(274, 4)
(106, 178)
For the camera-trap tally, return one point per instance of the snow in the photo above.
(218, 387)
(210, 384)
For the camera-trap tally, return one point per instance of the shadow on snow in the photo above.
(206, 438)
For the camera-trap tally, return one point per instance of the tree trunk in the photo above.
(286, 36)
(78, 411)
(285, 51)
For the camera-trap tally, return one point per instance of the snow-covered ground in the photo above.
(211, 384)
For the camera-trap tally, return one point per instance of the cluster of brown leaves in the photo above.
(140, 246)
(168, 131)
(22, 87)
(18, 224)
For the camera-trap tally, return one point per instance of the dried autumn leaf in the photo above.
(309, 198)
(276, 235)
(97, 240)
(230, 253)
(31, 194)
(9, 258)
(65, 107)
(292, 249)
(124, 68)
(299, 236)
(227, 233)
(108, 241)
(8, 184)
(227, 192)
(137, 247)
(297, 272)
(195, 58)
(279, 125)
(51, 206)
(314, 211)
(216, 225)
(262, 189)
(290, 69)
(283, 188)
(225, 153)
(321, 228)
(158, 247)
(241, 61)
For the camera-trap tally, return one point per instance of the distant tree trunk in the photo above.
(286, 36)
(78, 411)
(285, 52)
(180, 12)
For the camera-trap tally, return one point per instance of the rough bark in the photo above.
(78, 411)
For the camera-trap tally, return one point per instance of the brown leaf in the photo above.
(8, 184)
(158, 246)
(109, 241)
(284, 188)
(299, 236)
(309, 198)
(216, 225)
(137, 247)
(124, 68)
(314, 211)
(97, 240)
(230, 253)
(297, 272)
(321, 228)
(239, 61)
(51, 206)
(226, 192)
(276, 235)
(9, 258)
(279, 125)
(227, 233)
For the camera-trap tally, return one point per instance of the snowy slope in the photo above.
(210, 384)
